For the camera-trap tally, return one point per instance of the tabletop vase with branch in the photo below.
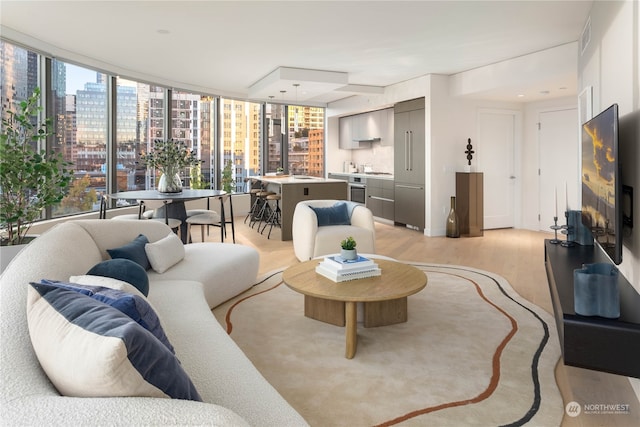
(169, 158)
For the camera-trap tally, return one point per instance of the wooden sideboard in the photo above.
(592, 342)
(469, 203)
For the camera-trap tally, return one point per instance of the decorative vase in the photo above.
(595, 290)
(170, 182)
(349, 254)
(452, 220)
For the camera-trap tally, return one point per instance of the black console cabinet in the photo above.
(592, 342)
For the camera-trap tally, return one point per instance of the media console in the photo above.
(592, 342)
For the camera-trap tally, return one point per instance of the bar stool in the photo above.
(265, 209)
(255, 207)
(274, 217)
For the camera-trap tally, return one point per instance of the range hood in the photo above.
(375, 139)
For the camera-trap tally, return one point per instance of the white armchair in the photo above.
(311, 240)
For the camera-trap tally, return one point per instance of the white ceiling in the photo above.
(256, 49)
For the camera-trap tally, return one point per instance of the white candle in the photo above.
(556, 194)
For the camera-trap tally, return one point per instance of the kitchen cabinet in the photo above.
(346, 133)
(387, 131)
(409, 205)
(360, 130)
(409, 144)
(409, 163)
(380, 198)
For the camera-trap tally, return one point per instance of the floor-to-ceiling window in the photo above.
(227, 133)
(276, 138)
(80, 122)
(240, 139)
(133, 124)
(296, 144)
(193, 123)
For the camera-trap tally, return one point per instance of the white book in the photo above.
(330, 266)
(338, 263)
(339, 276)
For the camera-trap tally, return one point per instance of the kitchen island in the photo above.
(295, 188)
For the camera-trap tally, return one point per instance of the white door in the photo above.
(559, 159)
(495, 150)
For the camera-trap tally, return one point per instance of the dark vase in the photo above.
(452, 220)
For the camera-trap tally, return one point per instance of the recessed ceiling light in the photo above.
(163, 31)
(520, 95)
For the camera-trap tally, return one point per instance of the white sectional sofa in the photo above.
(233, 391)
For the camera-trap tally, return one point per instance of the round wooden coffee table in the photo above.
(384, 297)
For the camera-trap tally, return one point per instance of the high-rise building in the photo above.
(19, 70)
(240, 138)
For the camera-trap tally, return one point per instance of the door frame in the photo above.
(517, 156)
(544, 223)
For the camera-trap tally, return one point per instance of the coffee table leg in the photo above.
(350, 328)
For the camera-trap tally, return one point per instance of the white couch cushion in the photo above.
(165, 253)
(224, 269)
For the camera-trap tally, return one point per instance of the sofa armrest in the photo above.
(304, 228)
(124, 411)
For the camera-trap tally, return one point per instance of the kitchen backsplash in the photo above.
(380, 158)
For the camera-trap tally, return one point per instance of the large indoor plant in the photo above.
(169, 157)
(31, 179)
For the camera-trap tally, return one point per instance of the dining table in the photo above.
(174, 203)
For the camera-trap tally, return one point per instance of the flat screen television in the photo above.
(601, 182)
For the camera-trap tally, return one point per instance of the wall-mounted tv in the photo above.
(601, 182)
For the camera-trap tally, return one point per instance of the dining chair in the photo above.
(157, 211)
(139, 215)
(210, 217)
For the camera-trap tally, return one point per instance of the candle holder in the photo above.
(565, 230)
(555, 227)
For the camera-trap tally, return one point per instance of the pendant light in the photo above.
(295, 114)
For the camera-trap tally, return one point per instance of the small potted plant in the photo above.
(348, 251)
(169, 157)
(280, 171)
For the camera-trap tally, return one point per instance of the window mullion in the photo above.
(111, 145)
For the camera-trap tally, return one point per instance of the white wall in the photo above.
(610, 64)
(530, 155)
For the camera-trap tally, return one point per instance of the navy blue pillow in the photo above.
(337, 214)
(133, 306)
(133, 251)
(125, 270)
(100, 342)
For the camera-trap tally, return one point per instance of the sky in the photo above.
(77, 77)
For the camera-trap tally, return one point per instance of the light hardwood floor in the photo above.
(517, 255)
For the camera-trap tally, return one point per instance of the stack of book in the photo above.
(339, 269)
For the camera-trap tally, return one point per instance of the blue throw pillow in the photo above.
(337, 214)
(133, 251)
(134, 306)
(80, 342)
(125, 270)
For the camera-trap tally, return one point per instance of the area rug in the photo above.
(473, 352)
